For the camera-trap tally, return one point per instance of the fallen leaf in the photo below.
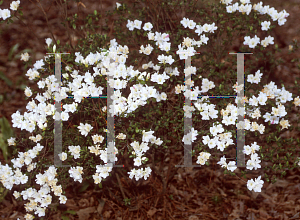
(193, 217)
(83, 203)
(106, 214)
(296, 216)
(152, 211)
(70, 203)
(84, 214)
(100, 206)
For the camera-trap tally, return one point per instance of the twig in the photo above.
(169, 20)
(101, 17)
(31, 31)
(120, 185)
(113, 195)
(68, 28)
(47, 21)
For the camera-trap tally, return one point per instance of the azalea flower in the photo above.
(4, 13)
(137, 24)
(185, 22)
(265, 25)
(130, 25)
(148, 26)
(48, 41)
(118, 5)
(14, 5)
(25, 56)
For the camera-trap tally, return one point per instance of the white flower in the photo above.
(229, 9)
(148, 26)
(62, 156)
(231, 166)
(11, 141)
(246, 40)
(201, 160)
(75, 173)
(191, 24)
(85, 128)
(245, 1)
(198, 30)
(130, 25)
(206, 27)
(253, 42)
(75, 151)
(118, 5)
(250, 184)
(28, 92)
(147, 136)
(258, 184)
(5, 13)
(151, 36)
(25, 56)
(48, 41)
(265, 25)
(137, 24)
(62, 199)
(185, 22)
(14, 5)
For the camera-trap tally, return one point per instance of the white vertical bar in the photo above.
(240, 137)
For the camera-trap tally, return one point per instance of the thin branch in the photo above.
(31, 31)
(120, 185)
(46, 20)
(68, 28)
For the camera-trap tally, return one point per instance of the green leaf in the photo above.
(74, 26)
(20, 12)
(90, 20)
(84, 186)
(72, 212)
(6, 130)
(1, 2)
(6, 80)
(64, 217)
(12, 51)
(3, 147)
(100, 185)
(3, 192)
(95, 12)
(58, 42)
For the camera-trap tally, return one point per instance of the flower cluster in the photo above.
(254, 79)
(101, 173)
(230, 166)
(140, 173)
(25, 57)
(5, 13)
(255, 185)
(42, 196)
(246, 7)
(85, 128)
(75, 151)
(203, 157)
(75, 173)
(140, 149)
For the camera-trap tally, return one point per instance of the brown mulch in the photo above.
(177, 193)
